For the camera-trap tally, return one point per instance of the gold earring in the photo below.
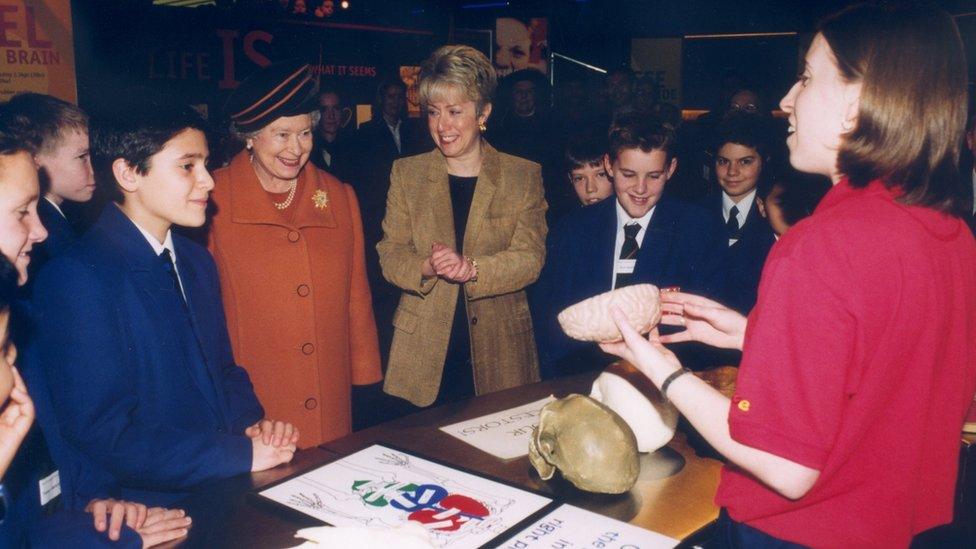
(482, 127)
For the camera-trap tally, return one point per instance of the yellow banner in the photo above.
(36, 49)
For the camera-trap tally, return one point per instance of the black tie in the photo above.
(628, 250)
(167, 259)
(732, 226)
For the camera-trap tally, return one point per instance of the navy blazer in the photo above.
(683, 246)
(29, 521)
(149, 398)
(746, 257)
(61, 236)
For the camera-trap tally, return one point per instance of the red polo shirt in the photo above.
(860, 362)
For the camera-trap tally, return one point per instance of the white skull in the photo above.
(590, 445)
(625, 390)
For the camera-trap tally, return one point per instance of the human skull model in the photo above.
(588, 442)
(626, 391)
(590, 320)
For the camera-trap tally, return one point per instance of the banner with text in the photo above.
(36, 49)
(659, 59)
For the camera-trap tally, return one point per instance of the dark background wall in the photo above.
(199, 54)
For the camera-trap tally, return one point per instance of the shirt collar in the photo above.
(56, 207)
(158, 248)
(743, 206)
(623, 218)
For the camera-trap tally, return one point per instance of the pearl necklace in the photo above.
(287, 201)
(291, 192)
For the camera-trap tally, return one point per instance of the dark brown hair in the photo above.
(644, 133)
(910, 63)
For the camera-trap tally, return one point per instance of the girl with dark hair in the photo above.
(859, 360)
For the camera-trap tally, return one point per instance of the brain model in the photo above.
(589, 320)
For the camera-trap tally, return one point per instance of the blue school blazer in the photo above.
(683, 246)
(746, 257)
(147, 395)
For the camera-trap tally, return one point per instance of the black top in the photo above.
(457, 382)
(462, 191)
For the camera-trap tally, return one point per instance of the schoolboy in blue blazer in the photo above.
(674, 243)
(131, 325)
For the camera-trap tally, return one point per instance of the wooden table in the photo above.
(677, 506)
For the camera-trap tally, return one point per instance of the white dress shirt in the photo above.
(167, 244)
(395, 130)
(626, 266)
(743, 207)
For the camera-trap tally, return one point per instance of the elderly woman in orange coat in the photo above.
(288, 242)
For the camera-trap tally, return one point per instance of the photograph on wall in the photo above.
(410, 76)
(380, 487)
(521, 44)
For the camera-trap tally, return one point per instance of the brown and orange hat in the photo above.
(286, 88)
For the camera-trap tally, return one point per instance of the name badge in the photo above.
(50, 487)
(625, 266)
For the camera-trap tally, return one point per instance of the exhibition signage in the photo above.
(504, 434)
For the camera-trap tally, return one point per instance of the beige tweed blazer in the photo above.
(505, 235)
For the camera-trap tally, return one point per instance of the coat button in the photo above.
(311, 403)
(293, 236)
(308, 348)
(303, 290)
(474, 321)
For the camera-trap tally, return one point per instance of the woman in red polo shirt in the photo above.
(859, 358)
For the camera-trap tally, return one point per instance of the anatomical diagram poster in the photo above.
(381, 487)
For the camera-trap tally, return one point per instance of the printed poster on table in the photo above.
(382, 487)
(37, 49)
(569, 526)
(504, 434)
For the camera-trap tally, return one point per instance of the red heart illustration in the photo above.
(457, 510)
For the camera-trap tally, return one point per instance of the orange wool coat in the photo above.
(296, 296)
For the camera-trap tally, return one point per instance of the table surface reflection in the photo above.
(227, 515)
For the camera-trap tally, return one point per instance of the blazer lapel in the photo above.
(159, 297)
(484, 191)
(605, 240)
(656, 247)
(197, 300)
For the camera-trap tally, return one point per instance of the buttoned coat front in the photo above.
(505, 234)
(297, 300)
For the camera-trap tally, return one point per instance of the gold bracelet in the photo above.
(473, 264)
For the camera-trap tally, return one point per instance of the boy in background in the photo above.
(585, 168)
(60, 131)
